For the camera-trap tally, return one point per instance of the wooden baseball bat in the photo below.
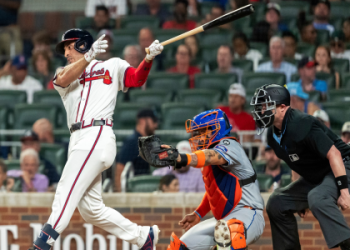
(229, 17)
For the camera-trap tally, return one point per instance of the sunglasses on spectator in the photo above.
(337, 44)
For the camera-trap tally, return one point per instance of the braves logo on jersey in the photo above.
(96, 75)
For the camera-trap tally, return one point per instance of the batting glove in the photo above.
(155, 49)
(98, 47)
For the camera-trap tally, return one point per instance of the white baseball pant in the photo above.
(91, 151)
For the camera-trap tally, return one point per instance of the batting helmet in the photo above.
(216, 125)
(265, 100)
(82, 37)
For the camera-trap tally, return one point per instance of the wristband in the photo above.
(201, 158)
(185, 160)
(341, 182)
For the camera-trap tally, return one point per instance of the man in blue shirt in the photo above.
(308, 81)
(322, 11)
(147, 123)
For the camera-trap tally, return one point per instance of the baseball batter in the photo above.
(232, 191)
(88, 89)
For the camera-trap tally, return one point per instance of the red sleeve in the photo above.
(137, 77)
(251, 123)
(204, 207)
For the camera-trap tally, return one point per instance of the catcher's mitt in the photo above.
(151, 151)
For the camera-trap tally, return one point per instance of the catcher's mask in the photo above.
(265, 101)
(207, 128)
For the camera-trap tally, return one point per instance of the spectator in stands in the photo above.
(273, 17)
(239, 119)
(13, 76)
(32, 181)
(153, 8)
(146, 37)
(290, 46)
(262, 32)
(224, 59)
(109, 37)
(192, 43)
(300, 100)
(215, 12)
(190, 179)
(169, 184)
(308, 81)
(242, 50)
(277, 64)
(345, 133)
(308, 33)
(183, 59)
(236, 4)
(338, 48)
(323, 117)
(101, 19)
(116, 8)
(133, 55)
(346, 29)
(147, 123)
(3, 177)
(272, 167)
(42, 67)
(43, 129)
(41, 42)
(324, 63)
(322, 11)
(30, 140)
(10, 30)
(180, 20)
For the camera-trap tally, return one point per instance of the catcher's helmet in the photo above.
(82, 37)
(265, 100)
(216, 125)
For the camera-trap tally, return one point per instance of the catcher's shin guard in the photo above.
(176, 243)
(230, 235)
(46, 232)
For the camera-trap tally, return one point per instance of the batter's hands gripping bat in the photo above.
(229, 17)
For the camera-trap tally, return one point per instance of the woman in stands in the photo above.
(324, 63)
(169, 184)
(42, 69)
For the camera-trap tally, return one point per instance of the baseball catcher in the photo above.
(232, 191)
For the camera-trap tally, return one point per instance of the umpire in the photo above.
(321, 159)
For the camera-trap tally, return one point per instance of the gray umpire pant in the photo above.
(320, 199)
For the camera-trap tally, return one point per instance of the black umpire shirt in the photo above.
(304, 143)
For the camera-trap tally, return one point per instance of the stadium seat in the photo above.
(4, 118)
(260, 9)
(244, 64)
(209, 53)
(338, 113)
(258, 79)
(163, 35)
(9, 98)
(265, 182)
(292, 61)
(341, 65)
(339, 9)
(26, 115)
(329, 78)
(339, 95)
(174, 115)
(215, 81)
(205, 7)
(337, 22)
(13, 164)
(291, 9)
(306, 49)
(345, 81)
(201, 97)
(123, 38)
(322, 36)
(139, 22)
(242, 24)
(262, 47)
(83, 22)
(167, 81)
(125, 115)
(55, 153)
(286, 179)
(62, 135)
(151, 97)
(143, 184)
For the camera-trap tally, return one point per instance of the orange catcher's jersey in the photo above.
(94, 94)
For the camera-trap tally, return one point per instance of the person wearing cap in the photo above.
(300, 100)
(338, 48)
(108, 54)
(224, 59)
(323, 117)
(190, 179)
(290, 46)
(30, 140)
(14, 76)
(277, 64)
(345, 133)
(180, 20)
(322, 11)
(146, 124)
(308, 81)
(238, 118)
(273, 17)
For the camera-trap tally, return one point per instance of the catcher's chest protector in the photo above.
(223, 190)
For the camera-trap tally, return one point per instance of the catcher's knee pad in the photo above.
(230, 235)
(176, 243)
(46, 232)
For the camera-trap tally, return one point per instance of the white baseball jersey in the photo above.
(94, 94)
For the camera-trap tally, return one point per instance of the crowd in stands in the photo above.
(310, 52)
